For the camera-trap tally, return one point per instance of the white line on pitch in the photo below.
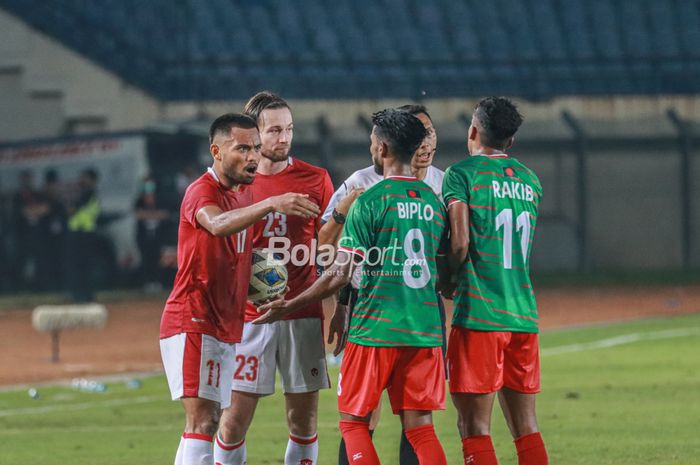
(83, 406)
(620, 340)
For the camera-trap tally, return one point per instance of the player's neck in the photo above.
(269, 167)
(396, 168)
(488, 151)
(223, 179)
(420, 173)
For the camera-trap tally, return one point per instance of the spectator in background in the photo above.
(151, 223)
(52, 230)
(82, 237)
(27, 209)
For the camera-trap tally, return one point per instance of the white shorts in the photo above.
(294, 347)
(198, 365)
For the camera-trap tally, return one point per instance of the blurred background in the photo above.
(112, 100)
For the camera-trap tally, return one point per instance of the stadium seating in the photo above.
(228, 49)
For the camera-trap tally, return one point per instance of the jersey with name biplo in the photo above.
(397, 227)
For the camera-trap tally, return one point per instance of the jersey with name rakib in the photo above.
(397, 227)
(494, 291)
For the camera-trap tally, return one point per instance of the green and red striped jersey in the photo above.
(494, 291)
(398, 226)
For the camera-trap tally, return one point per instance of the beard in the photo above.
(277, 155)
(378, 168)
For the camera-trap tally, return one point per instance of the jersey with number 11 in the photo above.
(398, 227)
(494, 291)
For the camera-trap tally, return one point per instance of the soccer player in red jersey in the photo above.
(203, 317)
(294, 346)
(492, 203)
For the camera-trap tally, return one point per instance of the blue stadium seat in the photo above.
(382, 48)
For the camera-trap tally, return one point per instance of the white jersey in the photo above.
(368, 177)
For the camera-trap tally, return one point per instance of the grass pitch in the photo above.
(620, 394)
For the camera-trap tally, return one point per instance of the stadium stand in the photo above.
(537, 49)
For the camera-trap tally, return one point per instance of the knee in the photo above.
(301, 422)
(470, 424)
(232, 427)
(206, 423)
(523, 426)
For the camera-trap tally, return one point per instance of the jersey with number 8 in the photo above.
(397, 226)
(503, 195)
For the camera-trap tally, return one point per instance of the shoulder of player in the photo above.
(525, 168)
(300, 165)
(373, 193)
(359, 178)
(203, 183)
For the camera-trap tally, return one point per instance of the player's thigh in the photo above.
(418, 380)
(364, 374)
(521, 370)
(198, 365)
(475, 360)
(301, 356)
(255, 361)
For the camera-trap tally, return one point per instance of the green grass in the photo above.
(633, 403)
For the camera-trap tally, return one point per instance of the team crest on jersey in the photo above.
(508, 171)
(413, 194)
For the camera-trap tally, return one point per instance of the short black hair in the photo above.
(224, 123)
(400, 130)
(415, 109)
(261, 101)
(499, 119)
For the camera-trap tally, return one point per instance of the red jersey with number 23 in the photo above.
(213, 273)
(303, 178)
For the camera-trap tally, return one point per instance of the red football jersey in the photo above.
(303, 178)
(213, 273)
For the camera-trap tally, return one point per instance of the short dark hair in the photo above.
(224, 123)
(499, 119)
(261, 101)
(415, 109)
(400, 130)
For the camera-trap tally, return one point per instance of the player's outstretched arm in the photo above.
(225, 223)
(331, 231)
(330, 282)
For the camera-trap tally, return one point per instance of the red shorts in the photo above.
(481, 362)
(413, 376)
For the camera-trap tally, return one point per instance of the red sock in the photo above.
(426, 445)
(531, 450)
(358, 443)
(478, 450)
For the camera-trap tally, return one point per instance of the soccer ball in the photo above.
(268, 277)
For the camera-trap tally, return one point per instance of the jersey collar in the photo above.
(495, 155)
(403, 178)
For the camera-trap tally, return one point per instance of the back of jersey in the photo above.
(397, 227)
(494, 291)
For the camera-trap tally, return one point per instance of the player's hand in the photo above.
(344, 205)
(295, 204)
(448, 291)
(338, 328)
(273, 310)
